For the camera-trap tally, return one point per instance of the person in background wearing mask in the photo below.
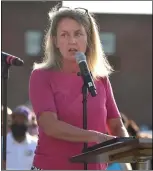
(20, 144)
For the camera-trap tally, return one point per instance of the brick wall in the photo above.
(132, 84)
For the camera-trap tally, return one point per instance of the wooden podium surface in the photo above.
(123, 151)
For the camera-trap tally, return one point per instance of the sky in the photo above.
(124, 7)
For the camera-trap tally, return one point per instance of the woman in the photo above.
(55, 93)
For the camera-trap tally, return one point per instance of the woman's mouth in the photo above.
(73, 50)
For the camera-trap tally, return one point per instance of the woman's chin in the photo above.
(70, 59)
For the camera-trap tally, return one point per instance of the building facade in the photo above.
(127, 42)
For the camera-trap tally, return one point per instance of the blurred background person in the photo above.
(33, 126)
(133, 130)
(121, 166)
(125, 119)
(20, 144)
(9, 113)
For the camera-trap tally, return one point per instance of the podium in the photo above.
(121, 150)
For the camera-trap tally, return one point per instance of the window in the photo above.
(108, 40)
(33, 42)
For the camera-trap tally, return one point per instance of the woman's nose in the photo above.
(72, 39)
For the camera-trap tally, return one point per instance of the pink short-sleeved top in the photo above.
(60, 92)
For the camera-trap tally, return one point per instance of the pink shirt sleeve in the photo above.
(112, 109)
(40, 93)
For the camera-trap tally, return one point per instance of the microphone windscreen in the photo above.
(80, 56)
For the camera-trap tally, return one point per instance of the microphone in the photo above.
(11, 60)
(85, 73)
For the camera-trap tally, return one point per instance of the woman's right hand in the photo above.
(104, 137)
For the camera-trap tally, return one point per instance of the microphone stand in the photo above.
(5, 76)
(84, 102)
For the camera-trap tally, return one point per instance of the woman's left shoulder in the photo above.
(104, 79)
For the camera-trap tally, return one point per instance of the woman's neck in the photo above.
(70, 66)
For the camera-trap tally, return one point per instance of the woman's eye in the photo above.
(63, 35)
(78, 34)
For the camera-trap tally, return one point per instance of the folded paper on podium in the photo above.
(122, 150)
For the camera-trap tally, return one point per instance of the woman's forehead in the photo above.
(67, 24)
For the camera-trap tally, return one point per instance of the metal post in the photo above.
(142, 164)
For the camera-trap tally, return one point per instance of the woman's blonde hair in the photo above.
(96, 58)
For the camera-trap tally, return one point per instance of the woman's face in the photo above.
(71, 37)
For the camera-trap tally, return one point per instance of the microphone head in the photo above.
(11, 60)
(80, 56)
(18, 62)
